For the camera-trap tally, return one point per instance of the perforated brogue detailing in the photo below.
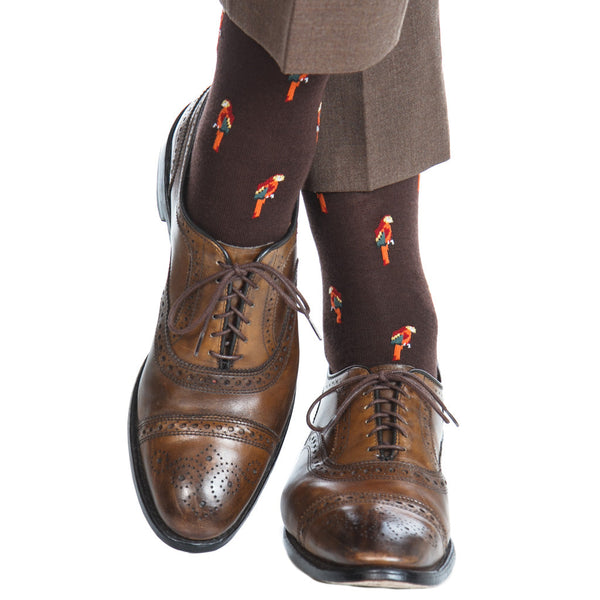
(182, 140)
(324, 467)
(204, 482)
(424, 416)
(278, 329)
(220, 427)
(282, 261)
(379, 524)
(269, 320)
(387, 387)
(214, 380)
(386, 517)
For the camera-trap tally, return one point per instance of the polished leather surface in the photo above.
(353, 504)
(208, 428)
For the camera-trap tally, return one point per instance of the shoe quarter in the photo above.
(193, 258)
(267, 313)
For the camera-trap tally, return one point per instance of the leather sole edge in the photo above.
(367, 576)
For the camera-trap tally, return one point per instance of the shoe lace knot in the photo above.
(390, 389)
(235, 298)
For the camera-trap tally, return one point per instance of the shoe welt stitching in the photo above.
(246, 433)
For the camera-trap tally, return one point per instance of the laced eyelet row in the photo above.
(236, 301)
(399, 382)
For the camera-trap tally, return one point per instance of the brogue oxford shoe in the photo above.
(367, 503)
(213, 399)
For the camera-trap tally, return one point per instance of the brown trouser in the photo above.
(384, 110)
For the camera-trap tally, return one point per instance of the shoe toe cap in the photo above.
(201, 487)
(397, 534)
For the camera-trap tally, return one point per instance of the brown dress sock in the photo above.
(377, 307)
(255, 143)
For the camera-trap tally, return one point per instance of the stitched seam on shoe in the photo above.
(189, 139)
(413, 475)
(267, 447)
(207, 418)
(197, 369)
(181, 132)
(340, 437)
(321, 466)
(267, 444)
(280, 265)
(426, 416)
(270, 365)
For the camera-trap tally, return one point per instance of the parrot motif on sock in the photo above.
(321, 199)
(224, 123)
(401, 339)
(295, 81)
(335, 299)
(383, 237)
(265, 190)
(319, 121)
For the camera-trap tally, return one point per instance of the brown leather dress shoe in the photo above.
(367, 504)
(213, 399)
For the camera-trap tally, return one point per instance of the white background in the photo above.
(509, 232)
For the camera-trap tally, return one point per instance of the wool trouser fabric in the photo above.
(254, 144)
(384, 115)
(329, 36)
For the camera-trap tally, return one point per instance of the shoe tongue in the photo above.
(391, 367)
(241, 255)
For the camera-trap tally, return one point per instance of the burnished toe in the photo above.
(201, 489)
(394, 533)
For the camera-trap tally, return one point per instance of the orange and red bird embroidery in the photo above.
(224, 123)
(401, 339)
(319, 120)
(295, 80)
(321, 199)
(265, 190)
(335, 298)
(383, 237)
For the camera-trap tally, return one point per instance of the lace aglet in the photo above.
(449, 417)
(314, 328)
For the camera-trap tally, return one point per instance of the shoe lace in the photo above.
(226, 291)
(387, 415)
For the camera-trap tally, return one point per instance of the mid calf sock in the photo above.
(377, 307)
(255, 143)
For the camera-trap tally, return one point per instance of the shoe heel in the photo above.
(162, 186)
(163, 175)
